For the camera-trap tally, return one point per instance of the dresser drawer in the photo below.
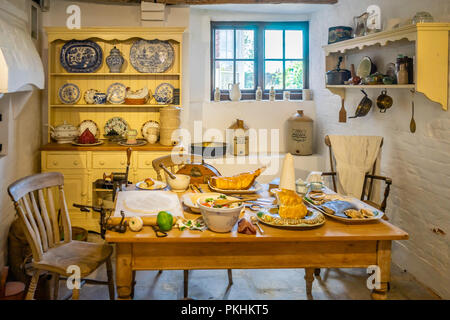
(66, 161)
(145, 159)
(110, 160)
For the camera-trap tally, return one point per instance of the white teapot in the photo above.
(234, 91)
(64, 133)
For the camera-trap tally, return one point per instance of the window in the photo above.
(259, 54)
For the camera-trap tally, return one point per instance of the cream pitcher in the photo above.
(234, 91)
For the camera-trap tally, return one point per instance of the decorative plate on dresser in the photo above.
(69, 93)
(81, 56)
(116, 93)
(116, 124)
(164, 93)
(149, 124)
(91, 125)
(151, 56)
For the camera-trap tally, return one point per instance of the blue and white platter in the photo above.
(81, 56)
(116, 93)
(151, 56)
(69, 93)
(164, 93)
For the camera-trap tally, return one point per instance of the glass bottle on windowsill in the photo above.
(272, 94)
(217, 95)
(258, 94)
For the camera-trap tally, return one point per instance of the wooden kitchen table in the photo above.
(333, 245)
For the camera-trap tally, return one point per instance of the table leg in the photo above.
(309, 278)
(124, 271)
(384, 263)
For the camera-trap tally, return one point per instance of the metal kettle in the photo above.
(363, 107)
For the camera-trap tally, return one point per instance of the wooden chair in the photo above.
(13, 290)
(368, 179)
(168, 162)
(33, 198)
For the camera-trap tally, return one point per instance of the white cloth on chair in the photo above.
(355, 156)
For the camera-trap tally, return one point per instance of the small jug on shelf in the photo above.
(234, 91)
(217, 95)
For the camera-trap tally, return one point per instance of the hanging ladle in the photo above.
(412, 124)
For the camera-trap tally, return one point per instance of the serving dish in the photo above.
(69, 93)
(313, 219)
(341, 206)
(365, 68)
(81, 56)
(117, 125)
(63, 133)
(138, 97)
(139, 142)
(116, 93)
(253, 189)
(99, 142)
(151, 56)
(159, 185)
(190, 199)
(164, 93)
(91, 125)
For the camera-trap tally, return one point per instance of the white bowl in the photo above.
(219, 219)
(180, 183)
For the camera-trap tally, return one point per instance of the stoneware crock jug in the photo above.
(234, 91)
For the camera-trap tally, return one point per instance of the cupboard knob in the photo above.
(101, 163)
(55, 162)
(75, 162)
(147, 162)
(122, 163)
(83, 194)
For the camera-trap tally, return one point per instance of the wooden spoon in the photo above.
(412, 124)
(223, 202)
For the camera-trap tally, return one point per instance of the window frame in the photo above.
(259, 56)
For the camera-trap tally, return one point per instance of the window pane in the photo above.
(224, 44)
(245, 74)
(274, 74)
(245, 44)
(294, 74)
(223, 74)
(273, 44)
(294, 44)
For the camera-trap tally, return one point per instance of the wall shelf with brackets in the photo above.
(431, 51)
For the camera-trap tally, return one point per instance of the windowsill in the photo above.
(261, 101)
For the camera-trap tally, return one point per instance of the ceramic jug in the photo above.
(234, 91)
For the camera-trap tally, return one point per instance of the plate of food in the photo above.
(291, 212)
(190, 199)
(151, 184)
(350, 212)
(243, 183)
(312, 219)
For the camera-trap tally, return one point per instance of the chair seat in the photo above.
(88, 256)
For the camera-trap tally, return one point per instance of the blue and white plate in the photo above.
(151, 56)
(116, 93)
(81, 56)
(164, 93)
(69, 93)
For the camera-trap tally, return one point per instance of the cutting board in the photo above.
(147, 203)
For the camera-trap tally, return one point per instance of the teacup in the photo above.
(99, 98)
(316, 186)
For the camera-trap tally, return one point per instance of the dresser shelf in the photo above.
(431, 43)
(111, 105)
(121, 74)
(375, 86)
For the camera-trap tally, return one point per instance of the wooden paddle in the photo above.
(342, 113)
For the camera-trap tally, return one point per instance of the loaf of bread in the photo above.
(241, 181)
(290, 204)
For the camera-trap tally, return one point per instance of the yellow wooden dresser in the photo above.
(82, 166)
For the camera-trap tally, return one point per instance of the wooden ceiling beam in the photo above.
(199, 2)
